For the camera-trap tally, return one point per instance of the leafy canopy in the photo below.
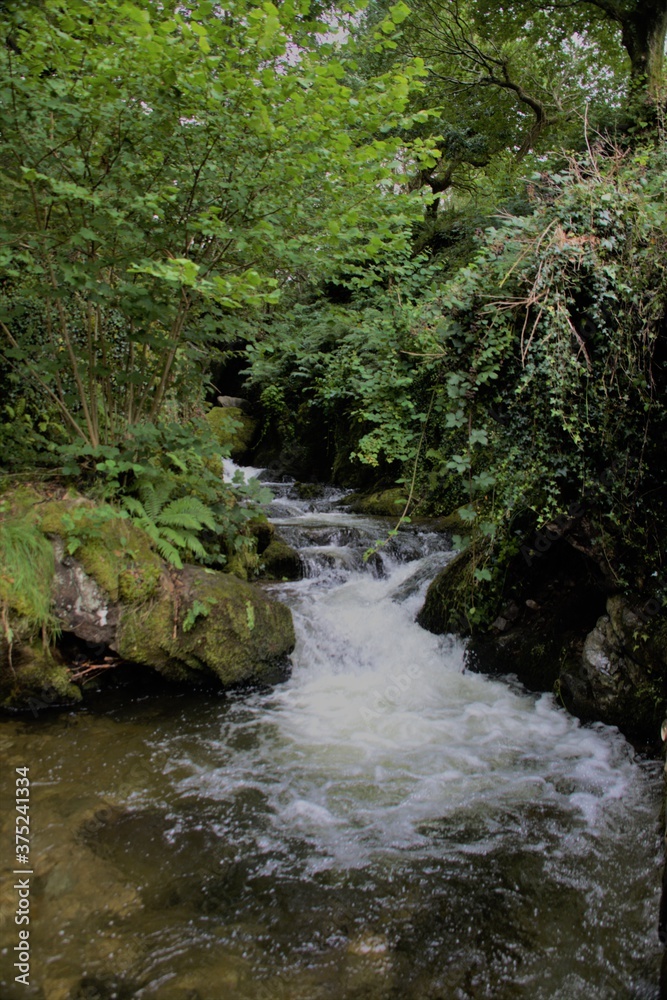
(163, 166)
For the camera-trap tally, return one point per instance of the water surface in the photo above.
(385, 825)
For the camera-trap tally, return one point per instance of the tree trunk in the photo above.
(643, 32)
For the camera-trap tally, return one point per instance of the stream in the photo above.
(384, 825)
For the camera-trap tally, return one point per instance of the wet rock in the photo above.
(280, 561)
(381, 503)
(79, 602)
(308, 491)
(263, 532)
(620, 676)
(116, 594)
(211, 625)
(443, 607)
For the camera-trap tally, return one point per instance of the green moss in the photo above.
(36, 681)
(451, 523)
(102, 541)
(243, 564)
(262, 531)
(53, 515)
(229, 642)
(449, 597)
(280, 561)
(308, 491)
(17, 500)
(138, 584)
(382, 503)
(233, 429)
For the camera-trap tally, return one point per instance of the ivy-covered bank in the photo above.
(526, 395)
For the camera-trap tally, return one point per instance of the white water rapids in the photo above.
(384, 825)
(467, 807)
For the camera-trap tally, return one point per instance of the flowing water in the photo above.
(385, 825)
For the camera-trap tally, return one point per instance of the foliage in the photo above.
(168, 477)
(26, 572)
(173, 525)
(199, 609)
(409, 219)
(340, 359)
(162, 166)
(546, 359)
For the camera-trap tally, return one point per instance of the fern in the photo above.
(172, 525)
(26, 572)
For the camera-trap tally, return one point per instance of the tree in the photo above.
(163, 167)
(527, 77)
(643, 26)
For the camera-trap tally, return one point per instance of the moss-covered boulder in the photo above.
(448, 597)
(262, 531)
(234, 430)
(106, 586)
(279, 561)
(208, 625)
(33, 677)
(308, 491)
(381, 503)
(104, 544)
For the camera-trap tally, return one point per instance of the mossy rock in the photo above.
(233, 429)
(205, 623)
(308, 491)
(449, 597)
(138, 584)
(36, 679)
(280, 561)
(109, 544)
(262, 531)
(620, 674)
(244, 564)
(382, 503)
(451, 524)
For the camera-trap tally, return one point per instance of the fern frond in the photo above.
(194, 508)
(172, 525)
(134, 507)
(195, 546)
(175, 537)
(154, 495)
(179, 520)
(168, 552)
